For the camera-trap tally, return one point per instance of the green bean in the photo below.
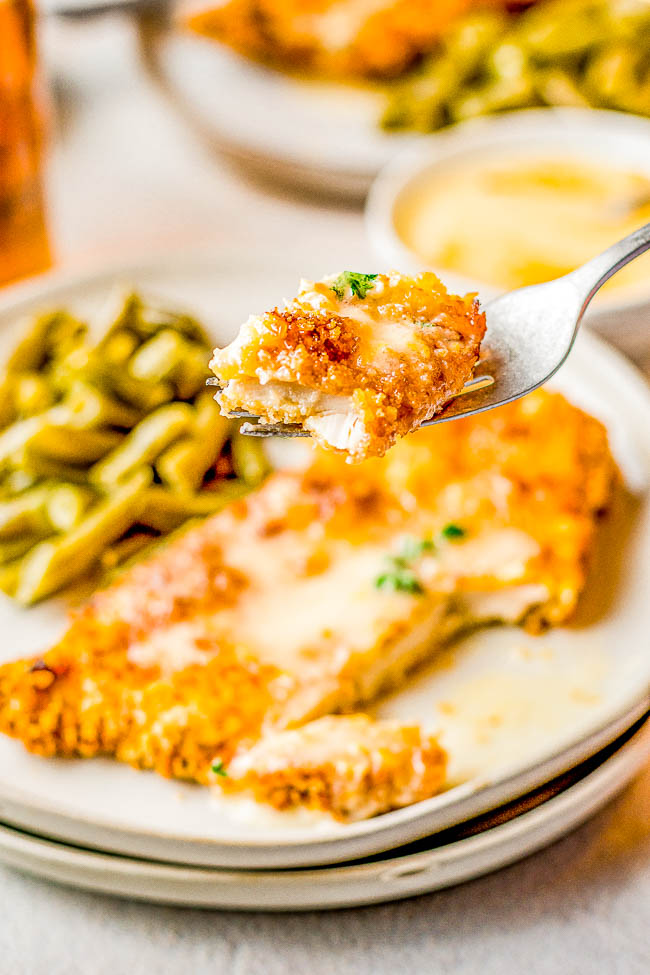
(51, 336)
(125, 549)
(74, 445)
(16, 481)
(612, 78)
(43, 509)
(142, 395)
(144, 444)
(158, 359)
(31, 464)
(151, 318)
(248, 459)
(557, 87)
(31, 393)
(168, 357)
(14, 548)
(7, 404)
(561, 30)
(54, 564)
(19, 434)
(467, 42)
(120, 346)
(91, 407)
(183, 465)
(66, 505)
(95, 368)
(164, 511)
(25, 513)
(497, 96)
(9, 575)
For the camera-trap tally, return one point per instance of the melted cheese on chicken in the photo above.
(355, 368)
(318, 592)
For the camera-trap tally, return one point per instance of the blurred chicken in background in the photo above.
(357, 38)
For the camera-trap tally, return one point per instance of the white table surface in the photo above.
(127, 178)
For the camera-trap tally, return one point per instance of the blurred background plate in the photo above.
(476, 849)
(321, 136)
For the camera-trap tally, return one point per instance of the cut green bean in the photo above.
(144, 444)
(31, 464)
(75, 446)
(14, 548)
(125, 549)
(91, 407)
(66, 505)
(183, 465)
(248, 459)
(32, 393)
(164, 511)
(158, 359)
(51, 336)
(168, 357)
(25, 514)
(9, 576)
(120, 346)
(54, 564)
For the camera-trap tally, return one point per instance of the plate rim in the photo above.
(323, 847)
(392, 877)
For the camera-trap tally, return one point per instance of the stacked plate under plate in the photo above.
(541, 731)
(453, 856)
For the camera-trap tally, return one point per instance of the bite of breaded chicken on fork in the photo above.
(355, 360)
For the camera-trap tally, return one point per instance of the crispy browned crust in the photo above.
(393, 390)
(538, 465)
(349, 766)
(385, 43)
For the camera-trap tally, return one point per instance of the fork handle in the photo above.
(592, 276)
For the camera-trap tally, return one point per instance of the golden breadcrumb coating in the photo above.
(371, 38)
(352, 767)
(356, 371)
(269, 614)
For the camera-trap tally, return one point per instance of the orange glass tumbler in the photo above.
(24, 244)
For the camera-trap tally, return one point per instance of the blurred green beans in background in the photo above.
(590, 53)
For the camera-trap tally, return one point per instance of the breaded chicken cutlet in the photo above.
(314, 595)
(342, 38)
(355, 360)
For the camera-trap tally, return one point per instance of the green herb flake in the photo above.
(453, 532)
(359, 284)
(412, 548)
(400, 580)
(218, 768)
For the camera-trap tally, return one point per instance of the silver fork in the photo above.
(530, 333)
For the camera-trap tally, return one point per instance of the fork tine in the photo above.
(273, 430)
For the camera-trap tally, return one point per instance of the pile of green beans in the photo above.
(586, 53)
(107, 445)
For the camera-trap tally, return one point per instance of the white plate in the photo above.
(514, 710)
(321, 135)
(383, 879)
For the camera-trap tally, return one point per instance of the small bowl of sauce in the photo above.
(520, 199)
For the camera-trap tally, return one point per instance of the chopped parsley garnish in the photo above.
(359, 284)
(218, 768)
(400, 580)
(399, 575)
(412, 548)
(453, 532)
